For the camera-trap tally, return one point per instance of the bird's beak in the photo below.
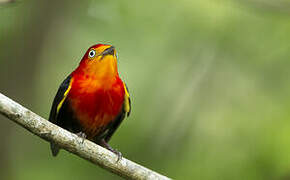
(108, 51)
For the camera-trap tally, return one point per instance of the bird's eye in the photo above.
(92, 53)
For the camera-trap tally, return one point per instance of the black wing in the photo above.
(59, 99)
(125, 112)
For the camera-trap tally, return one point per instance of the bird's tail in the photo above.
(54, 149)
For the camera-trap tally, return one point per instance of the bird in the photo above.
(93, 100)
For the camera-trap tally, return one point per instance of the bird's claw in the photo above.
(118, 153)
(82, 135)
(107, 146)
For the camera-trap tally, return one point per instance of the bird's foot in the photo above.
(107, 146)
(118, 153)
(82, 135)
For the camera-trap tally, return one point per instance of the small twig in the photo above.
(72, 143)
(277, 6)
(6, 1)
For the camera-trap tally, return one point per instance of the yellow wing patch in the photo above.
(127, 102)
(64, 96)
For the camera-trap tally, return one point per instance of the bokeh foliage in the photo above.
(209, 82)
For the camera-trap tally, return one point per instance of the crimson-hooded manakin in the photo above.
(92, 100)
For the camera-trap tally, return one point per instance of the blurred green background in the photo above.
(209, 82)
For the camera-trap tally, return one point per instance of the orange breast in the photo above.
(95, 102)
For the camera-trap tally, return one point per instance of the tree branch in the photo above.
(74, 144)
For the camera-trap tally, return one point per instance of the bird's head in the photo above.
(99, 51)
(100, 60)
